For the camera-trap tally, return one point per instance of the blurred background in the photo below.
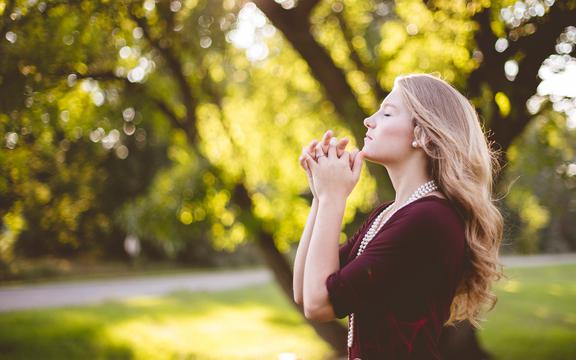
(151, 199)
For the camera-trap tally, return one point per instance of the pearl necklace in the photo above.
(377, 225)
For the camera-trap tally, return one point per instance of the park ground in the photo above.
(179, 316)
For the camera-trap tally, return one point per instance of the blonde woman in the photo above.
(421, 261)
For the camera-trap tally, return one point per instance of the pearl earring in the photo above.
(414, 144)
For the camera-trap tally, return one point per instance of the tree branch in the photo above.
(548, 28)
(189, 101)
(162, 105)
(305, 7)
(296, 29)
(535, 49)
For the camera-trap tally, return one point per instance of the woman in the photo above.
(422, 261)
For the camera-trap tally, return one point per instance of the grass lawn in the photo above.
(252, 323)
(535, 318)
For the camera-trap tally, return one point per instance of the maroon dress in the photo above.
(401, 287)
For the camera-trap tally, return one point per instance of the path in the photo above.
(538, 260)
(29, 296)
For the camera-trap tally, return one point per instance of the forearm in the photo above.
(301, 252)
(322, 258)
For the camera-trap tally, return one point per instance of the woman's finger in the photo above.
(353, 157)
(357, 167)
(326, 141)
(320, 150)
(311, 162)
(311, 149)
(312, 144)
(346, 158)
(302, 161)
(332, 149)
(341, 146)
(302, 158)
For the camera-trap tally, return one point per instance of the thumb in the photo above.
(357, 166)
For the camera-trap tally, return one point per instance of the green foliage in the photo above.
(66, 140)
(542, 187)
(186, 205)
(143, 117)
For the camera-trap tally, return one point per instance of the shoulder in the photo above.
(433, 211)
(425, 231)
(437, 223)
(425, 218)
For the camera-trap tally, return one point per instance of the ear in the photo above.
(420, 136)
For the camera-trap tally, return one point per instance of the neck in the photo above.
(406, 178)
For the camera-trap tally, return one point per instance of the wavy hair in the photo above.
(464, 166)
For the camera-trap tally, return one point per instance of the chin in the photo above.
(367, 156)
(373, 161)
(370, 158)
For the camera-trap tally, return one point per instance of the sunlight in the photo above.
(250, 31)
(558, 74)
(541, 311)
(201, 328)
(512, 286)
(555, 290)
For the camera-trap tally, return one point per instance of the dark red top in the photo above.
(401, 287)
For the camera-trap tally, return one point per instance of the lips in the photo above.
(368, 137)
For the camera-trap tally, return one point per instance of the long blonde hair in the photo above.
(464, 167)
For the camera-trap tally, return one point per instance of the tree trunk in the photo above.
(461, 342)
(332, 332)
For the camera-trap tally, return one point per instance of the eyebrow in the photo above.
(388, 104)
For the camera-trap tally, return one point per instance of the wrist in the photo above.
(315, 203)
(332, 200)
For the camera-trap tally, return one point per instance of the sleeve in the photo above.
(345, 249)
(392, 258)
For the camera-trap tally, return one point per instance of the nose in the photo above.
(367, 122)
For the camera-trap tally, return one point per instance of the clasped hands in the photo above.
(331, 170)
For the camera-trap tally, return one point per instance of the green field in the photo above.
(535, 318)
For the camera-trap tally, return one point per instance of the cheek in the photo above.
(395, 133)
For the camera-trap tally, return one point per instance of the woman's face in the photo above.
(390, 131)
